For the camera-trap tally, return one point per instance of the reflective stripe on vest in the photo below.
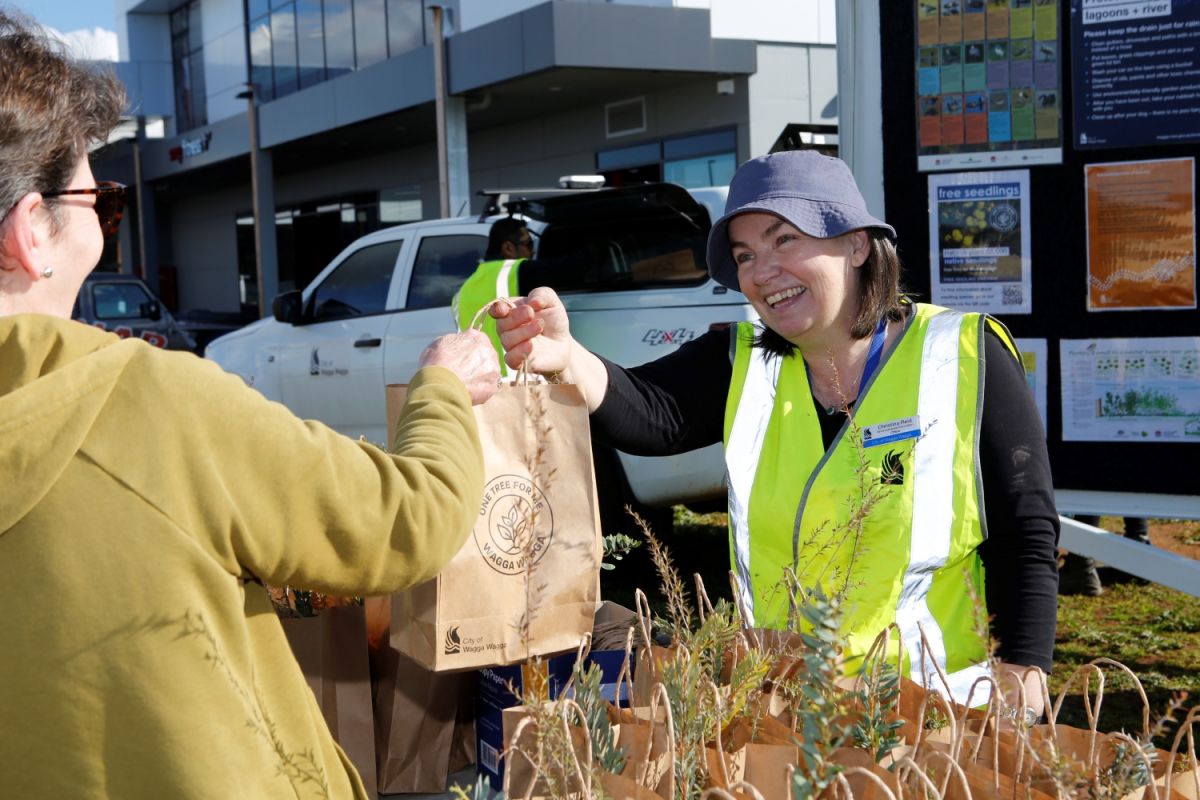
(921, 537)
(758, 373)
(489, 281)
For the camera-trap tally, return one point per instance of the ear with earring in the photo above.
(47, 272)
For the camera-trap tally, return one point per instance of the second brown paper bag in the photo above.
(471, 614)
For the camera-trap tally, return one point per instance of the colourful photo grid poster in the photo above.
(988, 84)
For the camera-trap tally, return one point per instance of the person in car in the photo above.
(845, 396)
(147, 496)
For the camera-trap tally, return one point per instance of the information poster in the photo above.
(979, 241)
(1136, 72)
(1141, 235)
(988, 84)
(1131, 390)
(1034, 353)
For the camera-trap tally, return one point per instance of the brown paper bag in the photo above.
(646, 734)
(331, 649)
(770, 753)
(416, 723)
(523, 775)
(768, 768)
(618, 787)
(471, 614)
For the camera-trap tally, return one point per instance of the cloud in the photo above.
(96, 44)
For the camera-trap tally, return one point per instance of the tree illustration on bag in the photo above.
(516, 527)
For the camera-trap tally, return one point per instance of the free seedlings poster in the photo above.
(979, 241)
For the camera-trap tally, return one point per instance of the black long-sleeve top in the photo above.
(677, 403)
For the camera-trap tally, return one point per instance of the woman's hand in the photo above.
(534, 328)
(471, 357)
(1014, 678)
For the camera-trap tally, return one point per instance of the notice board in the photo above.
(1127, 356)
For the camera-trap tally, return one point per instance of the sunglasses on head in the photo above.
(110, 203)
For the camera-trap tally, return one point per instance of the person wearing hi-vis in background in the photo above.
(146, 496)
(939, 397)
(509, 245)
(507, 269)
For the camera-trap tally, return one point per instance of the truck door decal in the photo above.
(654, 337)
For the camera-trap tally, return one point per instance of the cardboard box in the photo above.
(494, 688)
(493, 693)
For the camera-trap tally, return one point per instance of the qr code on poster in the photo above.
(1013, 295)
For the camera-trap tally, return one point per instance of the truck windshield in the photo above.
(615, 255)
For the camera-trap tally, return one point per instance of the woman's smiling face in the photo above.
(802, 287)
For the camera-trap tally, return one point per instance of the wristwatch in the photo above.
(1027, 715)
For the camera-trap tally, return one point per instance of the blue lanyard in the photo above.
(874, 353)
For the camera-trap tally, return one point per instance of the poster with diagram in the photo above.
(979, 241)
(1131, 390)
(1034, 353)
(989, 89)
(1141, 235)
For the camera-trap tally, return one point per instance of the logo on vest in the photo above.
(891, 469)
(505, 532)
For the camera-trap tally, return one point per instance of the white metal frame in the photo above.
(1145, 561)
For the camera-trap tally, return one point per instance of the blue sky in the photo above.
(70, 15)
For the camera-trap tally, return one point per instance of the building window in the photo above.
(370, 32)
(406, 25)
(309, 235)
(187, 60)
(310, 42)
(295, 44)
(283, 49)
(701, 159)
(714, 170)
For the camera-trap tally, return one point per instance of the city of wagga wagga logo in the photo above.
(505, 531)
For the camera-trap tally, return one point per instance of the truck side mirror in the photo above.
(286, 307)
(150, 310)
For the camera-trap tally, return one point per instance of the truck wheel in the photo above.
(614, 494)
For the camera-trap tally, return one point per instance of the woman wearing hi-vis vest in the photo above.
(939, 397)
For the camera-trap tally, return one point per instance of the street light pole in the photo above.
(439, 104)
(264, 240)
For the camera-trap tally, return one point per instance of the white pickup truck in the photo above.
(361, 324)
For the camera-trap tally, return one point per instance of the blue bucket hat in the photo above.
(815, 193)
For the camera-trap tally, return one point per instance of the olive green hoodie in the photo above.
(145, 496)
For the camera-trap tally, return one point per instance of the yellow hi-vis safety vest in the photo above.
(490, 281)
(915, 562)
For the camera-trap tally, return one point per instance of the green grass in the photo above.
(697, 544)
(1153, 630)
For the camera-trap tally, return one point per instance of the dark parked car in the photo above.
(125, 305)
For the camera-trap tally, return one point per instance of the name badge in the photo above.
(894, 431)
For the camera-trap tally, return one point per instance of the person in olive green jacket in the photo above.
(146, 496)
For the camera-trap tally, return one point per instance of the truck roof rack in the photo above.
(501, 198)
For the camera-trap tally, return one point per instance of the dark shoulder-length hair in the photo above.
(881, 295)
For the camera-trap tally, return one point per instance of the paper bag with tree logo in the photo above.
(535, 544)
